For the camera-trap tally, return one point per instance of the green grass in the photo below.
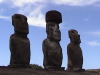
(36, 67)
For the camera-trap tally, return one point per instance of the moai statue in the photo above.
(51, 47)
(19, 42)
(74, 52)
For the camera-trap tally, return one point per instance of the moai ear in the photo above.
(47, 29)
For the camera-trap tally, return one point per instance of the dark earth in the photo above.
(31, 71)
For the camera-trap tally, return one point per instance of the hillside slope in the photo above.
(30, 71)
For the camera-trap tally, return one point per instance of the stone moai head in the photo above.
(20, 24)
(53, 19)
(74, 36)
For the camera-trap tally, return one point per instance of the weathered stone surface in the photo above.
(51, 47)
(53, 16)
(19, 42)
(20, 24)
(74, 52)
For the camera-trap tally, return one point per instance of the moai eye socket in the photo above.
(17, 17)
(25, 19)
(72, 31)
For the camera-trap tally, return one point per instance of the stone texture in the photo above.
(53, 16)
(19, 42)
(20, 24)
(74, 52)
(51, 47)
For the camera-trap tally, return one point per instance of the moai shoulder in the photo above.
(19, 42)
(74, 52)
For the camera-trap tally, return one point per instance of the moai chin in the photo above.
(19, 42)
(74, 52)
(51, 47)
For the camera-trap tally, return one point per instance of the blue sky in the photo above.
(82, 15)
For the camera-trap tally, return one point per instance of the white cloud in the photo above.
(1, 1)
(33, 8)
(4, 17)
(75, 2)
(93, 43)
(37, 21)
(20, 3)
(35, 16)
(96, 33)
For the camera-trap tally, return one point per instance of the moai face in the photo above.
(53, 31)
(20, 23)
(74, 36)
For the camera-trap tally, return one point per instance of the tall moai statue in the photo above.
(19, 42)
(51, 47)
(74, 52)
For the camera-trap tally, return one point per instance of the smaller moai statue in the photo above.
(74, 52)
(19, 42)
(51, 47)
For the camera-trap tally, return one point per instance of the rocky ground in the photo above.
(30, 71)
